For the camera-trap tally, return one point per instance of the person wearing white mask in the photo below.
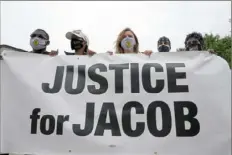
(194, 42)
(39, 41)
(127, 42)
(79, 43)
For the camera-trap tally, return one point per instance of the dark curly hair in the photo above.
(196, 35)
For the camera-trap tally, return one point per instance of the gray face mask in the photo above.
(193, 44)
(128, 43)
(194, 48)
(38, 43)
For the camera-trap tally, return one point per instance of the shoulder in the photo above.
(69, 53)
(45, 53)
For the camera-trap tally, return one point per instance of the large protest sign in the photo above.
(166, 104)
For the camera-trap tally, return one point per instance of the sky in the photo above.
(102, 21)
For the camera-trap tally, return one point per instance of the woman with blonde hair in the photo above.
(127, 42)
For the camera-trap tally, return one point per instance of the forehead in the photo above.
(192, 39)
(39, 32)
(128, 33)
(165, 40)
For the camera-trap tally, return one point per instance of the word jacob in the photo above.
(48, 123)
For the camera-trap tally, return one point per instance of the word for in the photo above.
(108, 109)
(119, 69)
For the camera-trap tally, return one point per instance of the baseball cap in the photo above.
(77, 33)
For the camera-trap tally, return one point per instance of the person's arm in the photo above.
(212, 51)
(147, 52)
(53, 53)
(90, 52)
(110, 52)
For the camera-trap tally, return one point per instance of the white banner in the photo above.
(166, 104)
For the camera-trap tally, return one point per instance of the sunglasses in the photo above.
(38, 35)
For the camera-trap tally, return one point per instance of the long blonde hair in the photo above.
(118, 47)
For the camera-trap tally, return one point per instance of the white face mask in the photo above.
(128, 43)
(193, 48)
(193, 44)
(38, 43)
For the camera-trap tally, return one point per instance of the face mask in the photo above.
(163, 48)
(38, 43)
(194, 48)
(76, 44)
(193, 45)
(128, 43)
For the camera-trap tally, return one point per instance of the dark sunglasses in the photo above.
(38, 35)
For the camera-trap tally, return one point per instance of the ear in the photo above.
(48, 42)
(86, 49)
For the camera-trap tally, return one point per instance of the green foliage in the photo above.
(221, 45)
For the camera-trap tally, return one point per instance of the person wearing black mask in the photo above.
(79, 43)
(164, 44)
(39, 41)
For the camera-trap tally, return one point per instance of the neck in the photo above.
(39, 51)
(79, 52)
(128, 51)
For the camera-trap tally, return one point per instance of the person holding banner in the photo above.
(164, 44)
(195, 42)
(39, 41)
(127, 42)
(79, 43)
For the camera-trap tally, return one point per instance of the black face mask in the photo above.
(164, 48)
(76, 44)
(164, 44)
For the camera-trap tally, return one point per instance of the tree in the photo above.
(221, 45)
